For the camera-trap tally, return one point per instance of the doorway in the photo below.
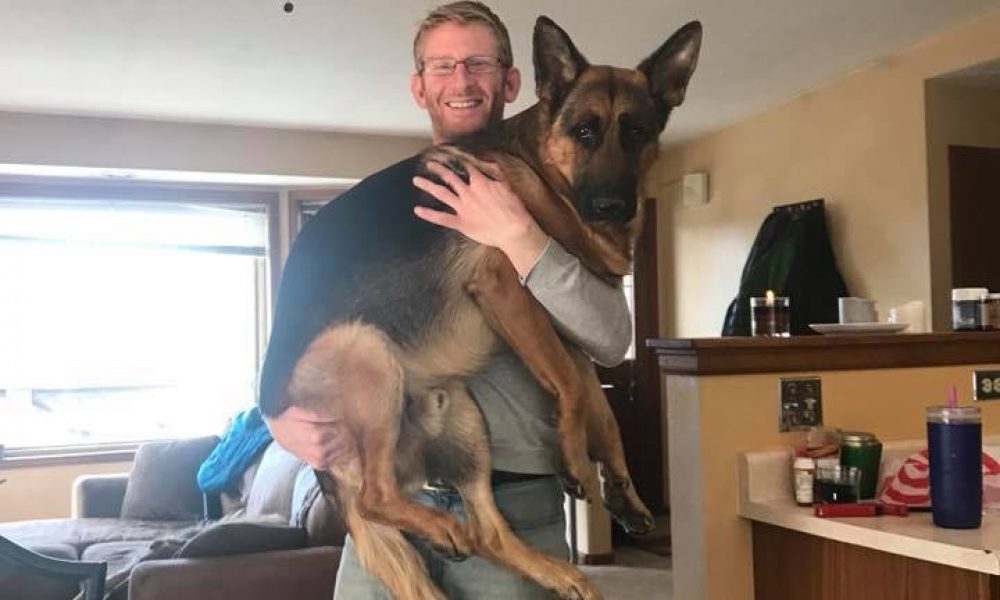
(974, 186)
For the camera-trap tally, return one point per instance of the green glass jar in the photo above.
(862, 450)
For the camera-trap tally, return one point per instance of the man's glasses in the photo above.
(476, 65)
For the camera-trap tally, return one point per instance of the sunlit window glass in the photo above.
(124, 321)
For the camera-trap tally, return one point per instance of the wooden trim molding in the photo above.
(732, 355)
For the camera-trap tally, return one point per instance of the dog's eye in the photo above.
(585, 132)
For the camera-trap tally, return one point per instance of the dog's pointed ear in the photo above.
(669, 69)
(557, 62)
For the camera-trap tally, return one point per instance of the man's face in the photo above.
(463, 102)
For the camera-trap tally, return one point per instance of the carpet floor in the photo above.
(636, 575)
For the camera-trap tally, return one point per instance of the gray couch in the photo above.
(118, 517)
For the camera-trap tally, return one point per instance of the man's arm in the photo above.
(584, 308)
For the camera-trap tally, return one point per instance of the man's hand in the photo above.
(487, 211)
(311, 437)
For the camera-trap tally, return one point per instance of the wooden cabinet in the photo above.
(789, 565)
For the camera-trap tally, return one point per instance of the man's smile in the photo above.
(470, 103)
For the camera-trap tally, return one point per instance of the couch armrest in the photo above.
(98, 495)
(304, 574)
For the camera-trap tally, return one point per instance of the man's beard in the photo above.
(447, 134)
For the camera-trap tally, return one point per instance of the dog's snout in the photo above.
(608, 206)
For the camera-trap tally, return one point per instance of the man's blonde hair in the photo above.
(464, 12)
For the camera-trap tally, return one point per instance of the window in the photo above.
(305, 203)
(124, 320)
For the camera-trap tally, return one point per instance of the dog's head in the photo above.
(605, 121)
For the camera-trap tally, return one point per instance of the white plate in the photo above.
(857, 328)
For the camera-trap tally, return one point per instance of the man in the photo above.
(464, 78)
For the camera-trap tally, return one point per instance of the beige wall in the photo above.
(957, 115)
(859, 142)
(44, 492)
(140, 144)
(713, 419)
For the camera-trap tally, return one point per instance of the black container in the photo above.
(966, 308)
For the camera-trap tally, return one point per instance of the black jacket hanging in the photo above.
(791, 256)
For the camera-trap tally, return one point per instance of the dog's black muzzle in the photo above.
(608, 207)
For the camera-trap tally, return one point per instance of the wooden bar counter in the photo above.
(722, 401)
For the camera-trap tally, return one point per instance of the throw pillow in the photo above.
(235, 537)
(162, 485)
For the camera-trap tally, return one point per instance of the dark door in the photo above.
(633, 388)
(974, 181)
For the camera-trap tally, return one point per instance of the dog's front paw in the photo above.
(625, 506)
(577, 473)
(572, 486)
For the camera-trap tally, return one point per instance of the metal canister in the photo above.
(862, 450)
(990, 315)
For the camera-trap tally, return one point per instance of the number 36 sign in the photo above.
(987, 385)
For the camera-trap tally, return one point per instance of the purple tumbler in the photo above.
(955, 450)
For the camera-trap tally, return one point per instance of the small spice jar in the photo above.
(990, 312)
(862, 450)
(803, 469)
(966, 308)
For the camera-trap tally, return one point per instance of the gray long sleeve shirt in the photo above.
(520, 415)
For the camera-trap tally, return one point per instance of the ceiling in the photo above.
(344, 64)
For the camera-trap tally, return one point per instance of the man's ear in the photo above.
(511, 84)
(418, 90)
(557, 63)
(669, 69)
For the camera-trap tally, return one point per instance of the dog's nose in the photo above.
(608, 206)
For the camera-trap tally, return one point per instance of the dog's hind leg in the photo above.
(381, 550)
(352, 374)
(518, 317)
(459, 454)
(604, 445)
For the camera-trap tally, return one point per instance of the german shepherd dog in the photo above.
(377, 329)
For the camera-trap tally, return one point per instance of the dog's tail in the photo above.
(385, 553)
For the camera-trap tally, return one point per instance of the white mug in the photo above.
(857, 310)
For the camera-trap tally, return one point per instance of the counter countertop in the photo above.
(765, 486)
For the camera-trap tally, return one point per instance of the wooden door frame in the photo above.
(634, 386)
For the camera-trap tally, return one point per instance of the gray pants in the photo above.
(534, 510)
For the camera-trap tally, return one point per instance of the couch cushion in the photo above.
(322, 521)
(54, 550)
(273, 484)
(162, 485)
(81, 533)
(118, 555)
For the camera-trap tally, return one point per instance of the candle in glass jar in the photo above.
(770, 316)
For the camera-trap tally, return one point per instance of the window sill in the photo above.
(69, 455)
